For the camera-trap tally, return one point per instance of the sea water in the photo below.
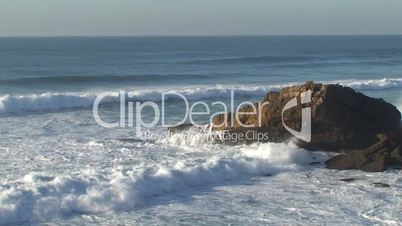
(58, 166)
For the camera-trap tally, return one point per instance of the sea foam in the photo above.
(36, 198)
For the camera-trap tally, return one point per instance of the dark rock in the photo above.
(131, 140)
(376, 158)
(314, 163)
(341, 118)
(180, 128)
(396, 157)
(381, 185)
(347, 179)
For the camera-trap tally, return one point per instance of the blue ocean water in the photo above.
(74, 64)
(57, 165)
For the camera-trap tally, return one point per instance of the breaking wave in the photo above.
(36, 198)
(10, 104)
(371, 84)
(54, 101)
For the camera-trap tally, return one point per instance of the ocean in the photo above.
(59, 166)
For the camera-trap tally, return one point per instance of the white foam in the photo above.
(191, 137)
(47, 101)
(400, 106)
(54, 101)
(372, 84)
(37, 198)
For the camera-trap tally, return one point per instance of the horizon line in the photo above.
(214, 35)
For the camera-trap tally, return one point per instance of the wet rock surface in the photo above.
(341, 119)
(366, 131)
(382, 155)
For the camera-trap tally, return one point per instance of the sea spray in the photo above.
(37, 198)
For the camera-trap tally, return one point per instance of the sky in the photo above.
(198, 17)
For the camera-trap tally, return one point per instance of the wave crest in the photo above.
(55, 101)
(38, 198)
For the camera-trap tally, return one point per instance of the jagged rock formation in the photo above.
(382, 155)
(342, 120)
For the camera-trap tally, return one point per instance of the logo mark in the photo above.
(305, 133)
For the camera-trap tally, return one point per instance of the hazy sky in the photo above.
(199, 17)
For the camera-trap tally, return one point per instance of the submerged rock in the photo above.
(380, 185)
(348, 179)
(180, 128)
(386, 153)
